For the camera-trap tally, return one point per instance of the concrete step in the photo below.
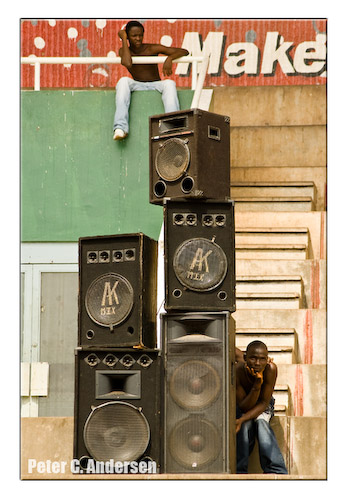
(313, 274)
(290, 189)
(274, 204)
(281, 395)
(281, 251)
(314, 221)
(269, 284)
(272, 243)
(309, 326)
(281, 343)
(269, 300)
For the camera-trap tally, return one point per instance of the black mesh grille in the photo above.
(172, 159)
(195, 385)
(117, 431)
(194, 443)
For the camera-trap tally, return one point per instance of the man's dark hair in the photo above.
(256, 343)
(133, 24)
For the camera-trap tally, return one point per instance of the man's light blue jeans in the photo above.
(126, 85)
(270, 456)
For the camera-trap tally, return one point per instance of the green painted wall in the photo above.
(75, 180)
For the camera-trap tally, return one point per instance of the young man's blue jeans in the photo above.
(126, 85)
(270, 456)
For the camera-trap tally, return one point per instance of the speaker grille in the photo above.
(172, 159)
(194, 443)
(116, 430)
(109, 299)
(200, 264)
(195, 385)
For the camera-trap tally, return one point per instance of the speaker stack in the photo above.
(117, 366)
(190, 177)
(173, 407)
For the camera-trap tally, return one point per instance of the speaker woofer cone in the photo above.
(194, 443)
(172, 159)
(116, 430)
(195, 385)
(200, 264)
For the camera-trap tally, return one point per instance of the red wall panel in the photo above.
(243, 51)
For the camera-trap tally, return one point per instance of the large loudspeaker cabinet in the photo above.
(199, 255)
(199, 392)
(117, 291)
(189, 155)
(117, 405)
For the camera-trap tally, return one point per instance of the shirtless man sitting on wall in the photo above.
(144, 76)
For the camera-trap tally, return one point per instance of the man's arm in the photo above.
(172, 53)
(124, 52)
(257, 400)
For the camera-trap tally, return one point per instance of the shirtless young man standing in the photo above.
(144, 76)
(256, 378)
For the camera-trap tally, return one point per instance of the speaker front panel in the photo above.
(199, 255)
(113, 279)
(189, 155)
(199, 393)
(117, 406)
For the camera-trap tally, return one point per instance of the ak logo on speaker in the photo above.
(109, 300)
(200, 264)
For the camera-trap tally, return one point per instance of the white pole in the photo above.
(200, 81)
(37, 83)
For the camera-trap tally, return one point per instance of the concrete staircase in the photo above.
(278, 183)
(274, 196)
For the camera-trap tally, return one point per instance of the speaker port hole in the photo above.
(207, 220)
(177, 293)
(220, 220)
(130, 254)
(160, 189)
(178, 219)
(191, 219)
(130, 330)
(187, 184)
(90, 334)
(222, 295)
(104, 256)
(118, 256)
(84, 462)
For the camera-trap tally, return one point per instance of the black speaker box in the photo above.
(199, 255)
(117, 406)
(189, 155)
(117, 291)
(199, 392)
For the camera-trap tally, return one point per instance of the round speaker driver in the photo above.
(194, 443)
(172, 159)
(109, 299)
(200, 264)
(116, 430)
(195, 385)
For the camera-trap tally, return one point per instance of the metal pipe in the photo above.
(196, 81)
(200, 82)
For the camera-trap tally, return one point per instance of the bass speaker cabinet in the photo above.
(189, 155)
(199, 255)
(117, 406)
(117, 291)
(199, 392)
